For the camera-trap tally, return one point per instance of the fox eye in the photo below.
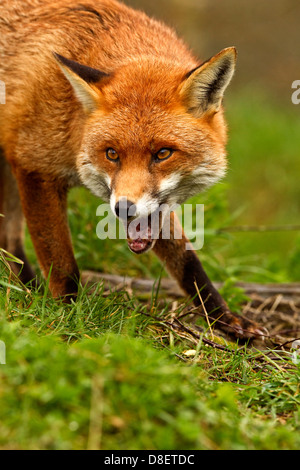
(164, 154)
(112, 155)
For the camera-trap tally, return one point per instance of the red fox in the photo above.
(100, 95)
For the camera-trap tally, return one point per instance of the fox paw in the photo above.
(239, 327)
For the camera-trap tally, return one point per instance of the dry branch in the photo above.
(170, 288)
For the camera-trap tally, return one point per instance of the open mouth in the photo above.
(142, 234)
(140, 246)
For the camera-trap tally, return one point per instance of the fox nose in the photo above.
(125, 209)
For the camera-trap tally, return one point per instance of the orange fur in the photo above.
(82, 77)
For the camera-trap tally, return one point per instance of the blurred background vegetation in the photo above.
(262, 186)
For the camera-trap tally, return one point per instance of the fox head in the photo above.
(154, 131)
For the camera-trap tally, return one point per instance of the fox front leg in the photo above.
(12, 223)
(44, 203)
(184, 265)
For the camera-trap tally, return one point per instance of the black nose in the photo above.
(125, 209)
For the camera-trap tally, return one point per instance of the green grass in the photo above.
(99, 374)
(102, 374)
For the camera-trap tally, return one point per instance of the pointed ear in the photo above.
(203, 90)
(82, 79)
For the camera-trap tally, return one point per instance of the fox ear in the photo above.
(203, 90)
(82, 79)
